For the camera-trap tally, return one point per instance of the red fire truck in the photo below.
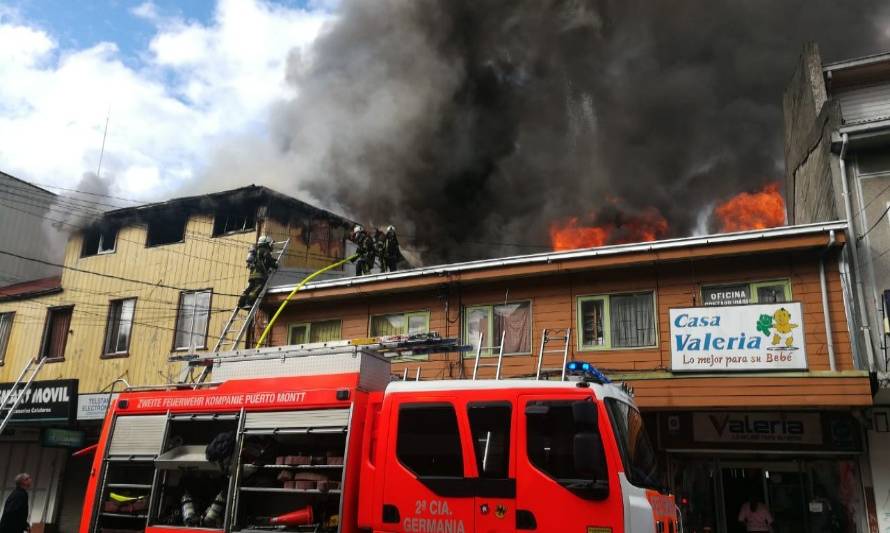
(322, 439)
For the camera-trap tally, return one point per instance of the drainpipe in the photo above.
(851, 240)
(829, 338)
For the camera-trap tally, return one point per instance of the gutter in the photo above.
(551, 257)
(851, 239)
(829, 336)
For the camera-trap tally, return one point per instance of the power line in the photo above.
(873, 226)
(109, 276)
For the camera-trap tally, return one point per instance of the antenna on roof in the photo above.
(104, 136)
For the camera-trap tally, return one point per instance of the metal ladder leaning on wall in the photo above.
(224, 344)
(500, 362)
(549, 336)
(14, 396)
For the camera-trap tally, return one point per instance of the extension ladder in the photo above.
(14, 396)
(548, 336)
(226, 344)
(500, 362)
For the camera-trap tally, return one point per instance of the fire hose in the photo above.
(299, 286)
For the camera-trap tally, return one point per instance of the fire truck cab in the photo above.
(286, 440)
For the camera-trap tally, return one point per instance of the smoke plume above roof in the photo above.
(473, 125)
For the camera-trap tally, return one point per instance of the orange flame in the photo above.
(757, 210)
(571, 234)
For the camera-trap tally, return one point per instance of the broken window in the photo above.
(233, 221)
(98, 241)
(166, 228)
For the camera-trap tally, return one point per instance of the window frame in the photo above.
(161, 219)
(99, 250)
(179, 312)
(308, 324)
(490, 333)
(752, 289)
(248, 216)
(4, 343)
(126, 353)
(607, 321)
(46, 332)
(407, 315)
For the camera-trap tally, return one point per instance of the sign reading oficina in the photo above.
(738, 338)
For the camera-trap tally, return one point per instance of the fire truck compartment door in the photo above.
(137, 435)
(319, 420)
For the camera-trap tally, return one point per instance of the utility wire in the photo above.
(873, 226)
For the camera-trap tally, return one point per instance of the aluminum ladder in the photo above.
(498, 365)
(14, 396)
(549, 336)
(224, 344)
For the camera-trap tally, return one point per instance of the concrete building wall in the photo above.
(24, 231)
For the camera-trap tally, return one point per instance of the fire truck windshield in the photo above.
(637, 453)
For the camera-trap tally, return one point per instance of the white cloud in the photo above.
(197, 86)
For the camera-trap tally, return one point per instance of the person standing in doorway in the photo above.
(756, 516)
(15, 510)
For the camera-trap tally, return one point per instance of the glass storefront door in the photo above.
(804, 495)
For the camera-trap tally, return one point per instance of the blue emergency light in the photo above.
(586, 370)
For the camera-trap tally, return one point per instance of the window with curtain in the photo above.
(400, 324)
(616, 321)
(632, 320)
(192, 319)
(5, 332)
(117, 329)
(512, 320)
(320, 331)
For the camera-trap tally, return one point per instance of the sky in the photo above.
(173, 81)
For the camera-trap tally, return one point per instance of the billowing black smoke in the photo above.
(472, 125)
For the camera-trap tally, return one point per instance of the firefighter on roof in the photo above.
(261, 264)
(366, 251)
(390, 254)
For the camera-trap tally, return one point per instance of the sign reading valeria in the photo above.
(738, 338)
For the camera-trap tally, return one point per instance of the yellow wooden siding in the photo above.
(198, 263)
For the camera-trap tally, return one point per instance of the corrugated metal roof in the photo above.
(550, 257)
(31, 288)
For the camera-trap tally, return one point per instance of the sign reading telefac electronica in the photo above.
(738, 338)
(44, 400)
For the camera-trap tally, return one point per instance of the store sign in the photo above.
(92, 406)
(44, 400)
(738, 338)
(758, 428)
(726, 295)
(62, 438)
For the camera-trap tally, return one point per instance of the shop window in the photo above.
(637, 453)
(321, 331)
(168, 228)
(428, 440)
(192, 320)
(118, 326)
(763, 292)
(615, 321)
(233, 221)
(400, 324)
(5, 333)
(550, 441)
(55, 332)
(490, 426)
(512, 321)
(98, 241)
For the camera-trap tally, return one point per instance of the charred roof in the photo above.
(278, 206)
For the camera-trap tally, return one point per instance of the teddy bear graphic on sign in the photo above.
(780, 321)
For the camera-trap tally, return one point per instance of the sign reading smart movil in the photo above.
(738, 338)
(44, 400)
